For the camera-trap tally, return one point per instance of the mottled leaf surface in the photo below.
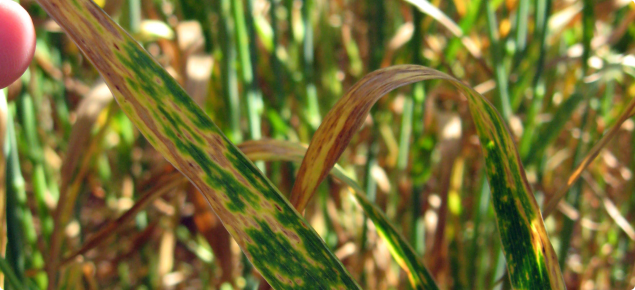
(275, 238)
(531, 260)
(401, 251)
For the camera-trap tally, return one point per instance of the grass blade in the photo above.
(11, 277)
(401, 251)
(312, 104)
(531, 259)
(466, 23)
(275, 238)
(549, 132)
(21, 236)
(434, 12)
(594, 152)
(229, 74)
(276, 64)
(279, 150)
(543, 9)
(521, 28)
(245, 38)
(418, 275)
(3, 178)
(496, 51)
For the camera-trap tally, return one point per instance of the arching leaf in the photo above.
(531, 260)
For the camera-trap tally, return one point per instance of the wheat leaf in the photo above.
(275, 238)
(531, 260)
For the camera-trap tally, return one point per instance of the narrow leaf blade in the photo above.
(276, 239)
(401, 251)
(531, 260)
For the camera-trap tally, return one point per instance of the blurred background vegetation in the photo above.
(559, 72)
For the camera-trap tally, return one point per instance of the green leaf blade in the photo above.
(400, 250)
(532, 262)
(277, 240)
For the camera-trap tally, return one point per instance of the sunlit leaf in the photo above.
(278, 150)
(531, 260)
(401, 251)
(275, 238)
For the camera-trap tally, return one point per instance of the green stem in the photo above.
(375, 36)
(278, 84)
(521, 29)
(588, 21)
(245, 38)
(11, 276)
(36, 156)
(408, 107)
(246, 55)
(543, 9)
(503, 104)
(20, 231)
(475, 274)
(131, 19)
(228, 70)
(370, 186)
(474, 10)
(313, 116)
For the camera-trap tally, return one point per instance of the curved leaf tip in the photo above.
(531, 259)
